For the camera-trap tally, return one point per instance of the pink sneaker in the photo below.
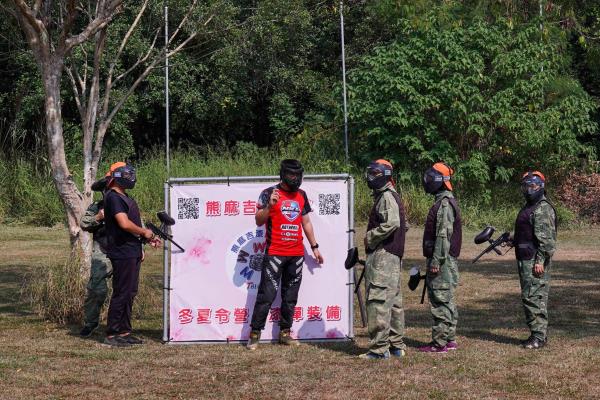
(452, 345)
(432, 348)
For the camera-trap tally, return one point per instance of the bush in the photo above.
(580, 193)
(56, 293)
(490, 99)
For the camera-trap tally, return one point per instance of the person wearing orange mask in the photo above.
(442, 240)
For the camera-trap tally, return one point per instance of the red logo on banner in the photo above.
(222, 315)
(313, 313)
(240, 315)
(232, 207)
(185, 316)
(275, 314)
(213, 208)
(298, 314)
(204, 316)
(249, 207)
(333, 313)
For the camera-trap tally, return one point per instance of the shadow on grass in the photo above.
(489, 302)
(11, 281)
(573, 304)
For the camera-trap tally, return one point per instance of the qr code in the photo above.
(329, 204)
(188, 208)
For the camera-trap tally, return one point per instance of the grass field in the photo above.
(42, 360)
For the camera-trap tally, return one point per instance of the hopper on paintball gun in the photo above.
(414, 280)
(485, 235)
(163, 231)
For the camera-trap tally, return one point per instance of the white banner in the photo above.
(215, 282)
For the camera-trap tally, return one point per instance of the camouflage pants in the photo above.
(385, 313)
(97, 287)
(534, 295)
(440, 289)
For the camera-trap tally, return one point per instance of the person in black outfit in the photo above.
(124, 232)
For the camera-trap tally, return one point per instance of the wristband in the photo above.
(316, 246)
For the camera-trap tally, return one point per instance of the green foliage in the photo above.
(482, 97)
(28, 194)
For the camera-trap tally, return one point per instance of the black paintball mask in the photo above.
(533, 186)
(437, 177)
(124, 176)
(291, 173)
(433, 181)
(378, 174)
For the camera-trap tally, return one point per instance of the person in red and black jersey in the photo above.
(284, 209)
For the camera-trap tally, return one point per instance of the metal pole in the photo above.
(167, 121)
(344, 79)
(166, 275)
(541, 26)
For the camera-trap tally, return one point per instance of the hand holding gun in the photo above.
(162, 231)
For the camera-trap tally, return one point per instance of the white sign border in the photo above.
(254, 179)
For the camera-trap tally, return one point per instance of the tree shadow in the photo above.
(11, 301)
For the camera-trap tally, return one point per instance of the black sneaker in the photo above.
(534, 343)
(87, 330)
(132, 339)
(116, 341)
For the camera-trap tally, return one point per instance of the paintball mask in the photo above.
(124, 176)
(436, 177)
(532, 186)
(291, 172)
(378, 174)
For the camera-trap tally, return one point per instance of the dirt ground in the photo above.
(40, 360)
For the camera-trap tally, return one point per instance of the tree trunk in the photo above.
(73, 201)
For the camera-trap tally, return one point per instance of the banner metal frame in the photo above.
(252, 179)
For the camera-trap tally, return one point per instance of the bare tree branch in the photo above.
(76, 92)
(130, 31)
(37, 7)
(184, 20)
(140, 60)
(92, 106)
(68, 23)
(27, 14)
(104, 15)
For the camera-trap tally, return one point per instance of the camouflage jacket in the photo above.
(88, 222)
(543, 220)
(443, 230)
(388, 210)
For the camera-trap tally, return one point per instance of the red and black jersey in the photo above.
(284, 226)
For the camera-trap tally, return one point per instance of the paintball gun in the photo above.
(163, 231)
(414, 280)
(485, 235)
(352, 259)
